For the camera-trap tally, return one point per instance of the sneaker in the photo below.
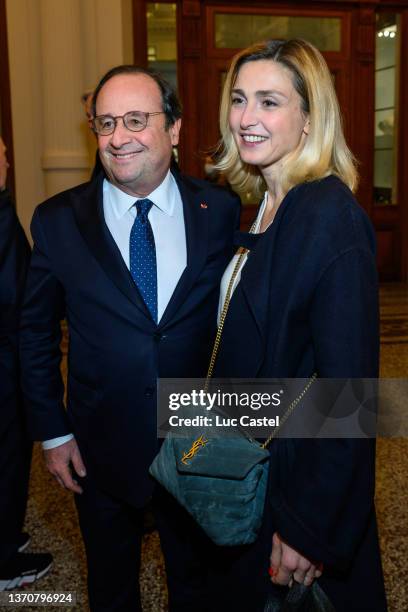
(24, 568)
(23, 541)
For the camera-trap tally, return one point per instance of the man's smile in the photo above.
(124, 156)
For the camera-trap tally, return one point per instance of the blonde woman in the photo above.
(304, 301)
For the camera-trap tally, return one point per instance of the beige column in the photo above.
(57, 50)
(65, 159)
(107, 37)
(81, 39)
(24, 44)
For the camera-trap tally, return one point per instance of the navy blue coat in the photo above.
(308, 302)
(14, 258)
(116, 351)
(15, 447)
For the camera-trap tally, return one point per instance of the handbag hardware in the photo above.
(201, 441)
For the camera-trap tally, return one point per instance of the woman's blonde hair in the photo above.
(324, 151)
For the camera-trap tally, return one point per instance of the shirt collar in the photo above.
(163, 197)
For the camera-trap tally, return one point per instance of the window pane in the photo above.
(384, 129)
(234, 31)
(385, 88)
(162, 39)
(383, 161)
(386, 108)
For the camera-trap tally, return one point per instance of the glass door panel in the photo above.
(162, 39)
(234, 31)
(387, 64)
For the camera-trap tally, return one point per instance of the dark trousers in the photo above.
(15, 460)
(112, 533)
(200, 576)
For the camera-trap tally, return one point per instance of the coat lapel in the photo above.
(196, 216)
(88, 210)
(256, 275)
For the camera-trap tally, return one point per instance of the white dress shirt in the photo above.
(167, 220)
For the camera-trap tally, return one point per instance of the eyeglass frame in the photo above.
(115, 119)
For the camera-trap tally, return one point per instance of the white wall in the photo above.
(57, 50)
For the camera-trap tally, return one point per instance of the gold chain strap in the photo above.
(289, 411)
(224, 311)
(223, 316)
(217, 341)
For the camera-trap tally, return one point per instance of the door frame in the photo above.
(5, 97)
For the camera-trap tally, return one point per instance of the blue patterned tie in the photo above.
(142, 256)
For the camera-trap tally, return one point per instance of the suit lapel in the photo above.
(196, 213)
(88, 210)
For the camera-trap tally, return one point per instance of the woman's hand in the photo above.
(288, 565)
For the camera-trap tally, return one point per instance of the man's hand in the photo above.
(288, 565)
(58, 461)
(3, 165)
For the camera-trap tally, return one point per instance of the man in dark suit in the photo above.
(133, 260)
(16, 567)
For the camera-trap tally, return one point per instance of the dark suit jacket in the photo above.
(14, 258)
(116, 351)
(308, 302)
(15, 446)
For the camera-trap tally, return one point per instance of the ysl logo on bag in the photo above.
(197, 444)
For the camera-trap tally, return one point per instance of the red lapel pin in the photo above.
(204, 205)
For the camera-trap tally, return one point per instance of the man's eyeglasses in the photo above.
(135, 121)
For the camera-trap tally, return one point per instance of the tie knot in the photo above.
(143, 207)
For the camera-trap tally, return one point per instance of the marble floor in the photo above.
(392, 454)
(52, 522)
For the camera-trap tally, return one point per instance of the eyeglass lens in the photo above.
(133, 120)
